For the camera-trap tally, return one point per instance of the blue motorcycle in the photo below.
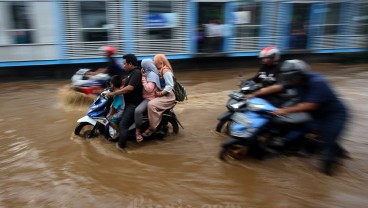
(254, 130)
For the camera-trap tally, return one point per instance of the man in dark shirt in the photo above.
(318, 98)
(269, 69)
(132, 92)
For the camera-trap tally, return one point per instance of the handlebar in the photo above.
(105, 91)
(237, 96)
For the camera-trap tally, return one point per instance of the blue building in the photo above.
(72, 31)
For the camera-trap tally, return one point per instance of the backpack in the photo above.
(179, 91)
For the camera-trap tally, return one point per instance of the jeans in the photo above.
(139, 112)
(331, 129)
(126, 121)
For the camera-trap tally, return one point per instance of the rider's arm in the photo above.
(266, 91)
(297, 108)
(123, 90)
(133, 82)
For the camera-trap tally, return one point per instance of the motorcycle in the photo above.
(254, 130)
(89, 85)
(96, 123)
(248, 87)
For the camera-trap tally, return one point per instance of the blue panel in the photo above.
(230, 7)
(58, 18)
(266, 24)
(347, 28)
(192, 26)
(244, 54)
(341, 39)
(351, 50)
(128, 30)
(36, 63)
(317, 19)
(283, 25)
(179, 56)
(80, 61)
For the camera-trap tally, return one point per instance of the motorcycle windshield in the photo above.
(98, 107)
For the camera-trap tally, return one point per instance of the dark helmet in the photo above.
(294, 69)
(270, 52)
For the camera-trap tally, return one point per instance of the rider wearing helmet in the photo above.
(112, 67)
(267, 73)
(317, 98)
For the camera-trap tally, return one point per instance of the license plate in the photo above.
(242, 119)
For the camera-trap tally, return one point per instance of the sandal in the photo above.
(148, 133)
(138, 138)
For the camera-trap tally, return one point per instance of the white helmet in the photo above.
(270, 52)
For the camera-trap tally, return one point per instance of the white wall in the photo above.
(43, 20)
(27, 53)
(45, 39)
(4, 24)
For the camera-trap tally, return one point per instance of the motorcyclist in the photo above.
(112, 67)
(318, 98)
(269, 69)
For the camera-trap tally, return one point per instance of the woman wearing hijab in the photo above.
(165, 98)
(151, 84)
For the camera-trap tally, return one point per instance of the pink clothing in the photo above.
(149, 89)
(157, 106)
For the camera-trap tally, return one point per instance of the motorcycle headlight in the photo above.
(245, 88)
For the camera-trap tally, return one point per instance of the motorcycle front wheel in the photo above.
(85, 130)
(223, 126)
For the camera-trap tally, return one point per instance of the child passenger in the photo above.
(117, 106)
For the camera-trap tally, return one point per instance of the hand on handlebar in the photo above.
(249, 95)
(280, 112)
(110, 94)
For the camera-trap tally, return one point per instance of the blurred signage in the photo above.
(242, 17)
(160, 20)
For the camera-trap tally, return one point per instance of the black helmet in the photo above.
(294, 69)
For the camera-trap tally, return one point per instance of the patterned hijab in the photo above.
(151, 72)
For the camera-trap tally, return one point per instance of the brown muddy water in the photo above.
(42, 164)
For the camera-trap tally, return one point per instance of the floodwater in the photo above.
(42, 164)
